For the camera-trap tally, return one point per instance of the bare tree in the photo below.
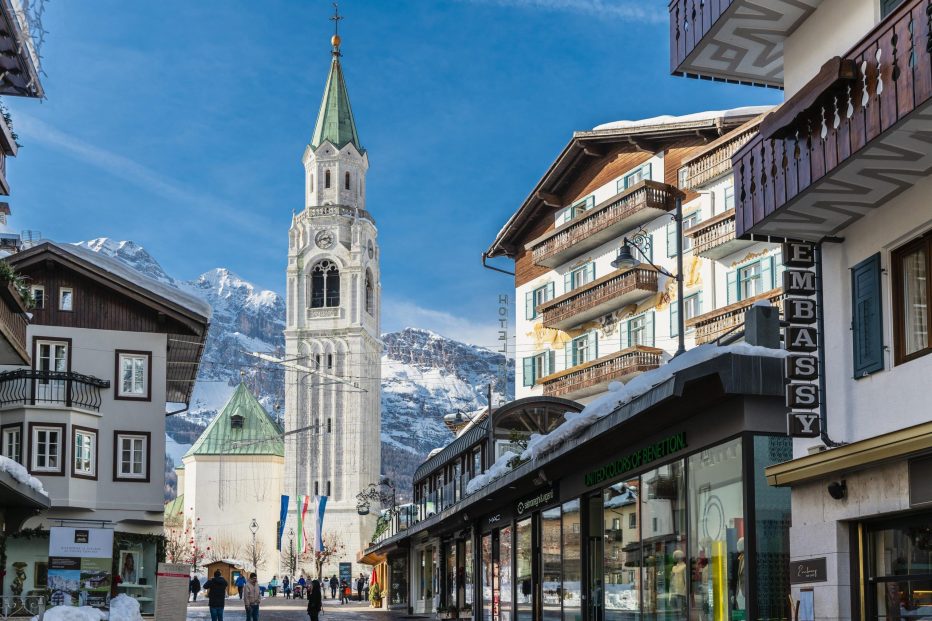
(225, 547)
(289, 560)
(255, 553)
(332, 546)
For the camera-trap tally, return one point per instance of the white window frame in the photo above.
(135, 392)
(633, 177)
(34, 466)
(757, 278)
(120, 473)
(88, 467)
(580, 277)
(729, 201)
(582, 350)
(33, 290)
(16, 454)
(61, 299)
(637, 330)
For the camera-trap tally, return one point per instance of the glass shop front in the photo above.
(668, 540)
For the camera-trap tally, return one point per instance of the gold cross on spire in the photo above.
(335, 40)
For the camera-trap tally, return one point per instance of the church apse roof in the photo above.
(242, 427)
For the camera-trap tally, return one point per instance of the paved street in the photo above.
(280, 609)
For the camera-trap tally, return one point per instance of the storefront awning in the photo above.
(18, 502)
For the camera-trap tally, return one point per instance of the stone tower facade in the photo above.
(332, 328)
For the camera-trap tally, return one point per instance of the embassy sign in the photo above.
(801, 339)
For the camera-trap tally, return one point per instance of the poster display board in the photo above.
(346, 573)
(80, 562)
(171, 591)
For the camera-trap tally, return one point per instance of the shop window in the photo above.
(622, 551)
(912, 313)
(771, 530)
(506, 573)
(572, 562)
(664, 571)
(717, 533)
(469, 585)
(899, 563)
(449, 573)
(487, 571)
(398, 580)
(524, 555)
(551, 564)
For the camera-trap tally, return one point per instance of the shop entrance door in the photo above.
(594, 551)
(525, 560)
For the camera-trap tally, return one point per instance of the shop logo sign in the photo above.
(540, 499)
(801, 339)
(637, 458)
(809, 570)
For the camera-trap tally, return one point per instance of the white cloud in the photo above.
(398, 314)
(618, 9)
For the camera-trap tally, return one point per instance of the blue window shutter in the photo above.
(529, 371)
(569, 355)
(674, 316)
(647, 171)
(590, 201)
(767, 273)
(529, 305)
(625, 336)
(595, 344)
(620, 186)
(671, 239)
(732, 287)
(866, 317)
(550, 294)
(649, 329)
(567, 282)
(551, 361)
(591, 268)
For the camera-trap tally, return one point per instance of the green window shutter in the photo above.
(591, 269)
(567, 282)
(529, 312)
(590, 202)
(732, 287)
(647, 171)
(674, 319)
(767, 273)
(551, 361)
(569, 355)
(867, 320)
(529, 371)
(671, 239)
(624, 332)
(550, 294)
(594, 336)
(649, 329)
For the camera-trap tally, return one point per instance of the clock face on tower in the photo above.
(324, 239)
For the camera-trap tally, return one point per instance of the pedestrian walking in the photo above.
(344, 592)
(315, 601)
(252, 596)
(286, 587)
(195, 587)
(333, 587)
(273, 586)
(303, 584)
(216, 595)
(240, 583)
(360, 581)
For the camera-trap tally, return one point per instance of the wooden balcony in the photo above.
(611, 219)
(600, 297)
(715, 159)
(590, 378)
(853, 138)
(733, 40)
(13, 323)
(710, 326)
(715, 238)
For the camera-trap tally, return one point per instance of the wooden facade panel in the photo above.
(600, 171)
(888, 96)
(922, 76)
(525, 268)
(904, 71)
(781, 161)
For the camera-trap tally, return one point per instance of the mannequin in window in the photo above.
(737, 578)
(678, 584)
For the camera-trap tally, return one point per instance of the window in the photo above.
(912, 291)
(11, 442)
(866, 317)
(66, 299)
(689, 220)
(632, 520)
(888, 6)
(533, 299)
(316, 488)
(84, 464)
(329, 362)
(634, 177)
(638, 330)
(324, 291)
(133, 368)
(51, 358)
(327, 179)
(38, 295)
(578, 208)
(329, 426)
(682, 177)
(346, 181)
(328, 489)
(579, 277)
(370, 294)
(897, 567)
(729, 197)
(751, 279)
(692, 305)
(46, 449)
(131, 461)
(582, 349)
(537, 366)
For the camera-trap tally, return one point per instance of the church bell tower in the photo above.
(332, 327)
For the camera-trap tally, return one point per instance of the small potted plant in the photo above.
(466, 611)
(447, 612)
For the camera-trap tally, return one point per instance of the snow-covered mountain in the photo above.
(424, 375)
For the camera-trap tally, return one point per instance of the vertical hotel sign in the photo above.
(503, 341)
(801, 339)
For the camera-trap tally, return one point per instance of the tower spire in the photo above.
(335, 39)
(335, 122)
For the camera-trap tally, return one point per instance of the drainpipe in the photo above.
(820, 319)
(492, 267)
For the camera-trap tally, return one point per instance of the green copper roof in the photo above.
(174, 511)
(335, 120)
(259, 434)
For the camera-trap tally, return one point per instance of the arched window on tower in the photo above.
(327, 179)
(324, 290)
(346, 180)
(370, 294)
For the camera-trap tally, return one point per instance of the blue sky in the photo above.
(180, 125)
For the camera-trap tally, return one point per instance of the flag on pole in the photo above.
(282, 517)
(305, 500)
(320, 506)
(299, 500)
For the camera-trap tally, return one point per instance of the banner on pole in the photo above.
(320, 506)
(282, 517)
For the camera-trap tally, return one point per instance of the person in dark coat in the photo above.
(315, 601)
(333, 586)
(195, 587)
(216, 595)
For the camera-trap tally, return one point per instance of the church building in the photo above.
(332, 405)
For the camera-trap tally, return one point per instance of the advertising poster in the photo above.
(346, 573)
(171, 597)
(80, 560)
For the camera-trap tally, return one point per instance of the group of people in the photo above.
(216, 589)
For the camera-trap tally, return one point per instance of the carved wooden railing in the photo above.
(13, 322)
(709, 326)
(690, 20)
(628, 361)
(716, 160)
(713, 232)
(891, 77)
(646, 194)
(598, 292)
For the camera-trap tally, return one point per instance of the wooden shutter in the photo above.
(674, 316)
(732, 287)
(551, 361)
(569, 355)
(647, 168)
(591, 269)
(568, 282)
(767, 274)
(649, 329)
(594, 344)
(529, 371)
(866, 317)
(550, 294)
(625, 334)
(671, 239)
(529, 305)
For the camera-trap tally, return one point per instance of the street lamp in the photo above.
(253, 527)
(293, 553)
(627, 260)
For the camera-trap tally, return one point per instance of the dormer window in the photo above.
(236, 421)
(66, 299)
(38, 296)
(327, 179)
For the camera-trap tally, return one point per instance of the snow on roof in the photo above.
(667, 119)
(19, 473)
(121, 270)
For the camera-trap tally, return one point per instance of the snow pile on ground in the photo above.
(73, 613)
(498, 469)
(124, 608)
(686, 118)
(18, 472)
